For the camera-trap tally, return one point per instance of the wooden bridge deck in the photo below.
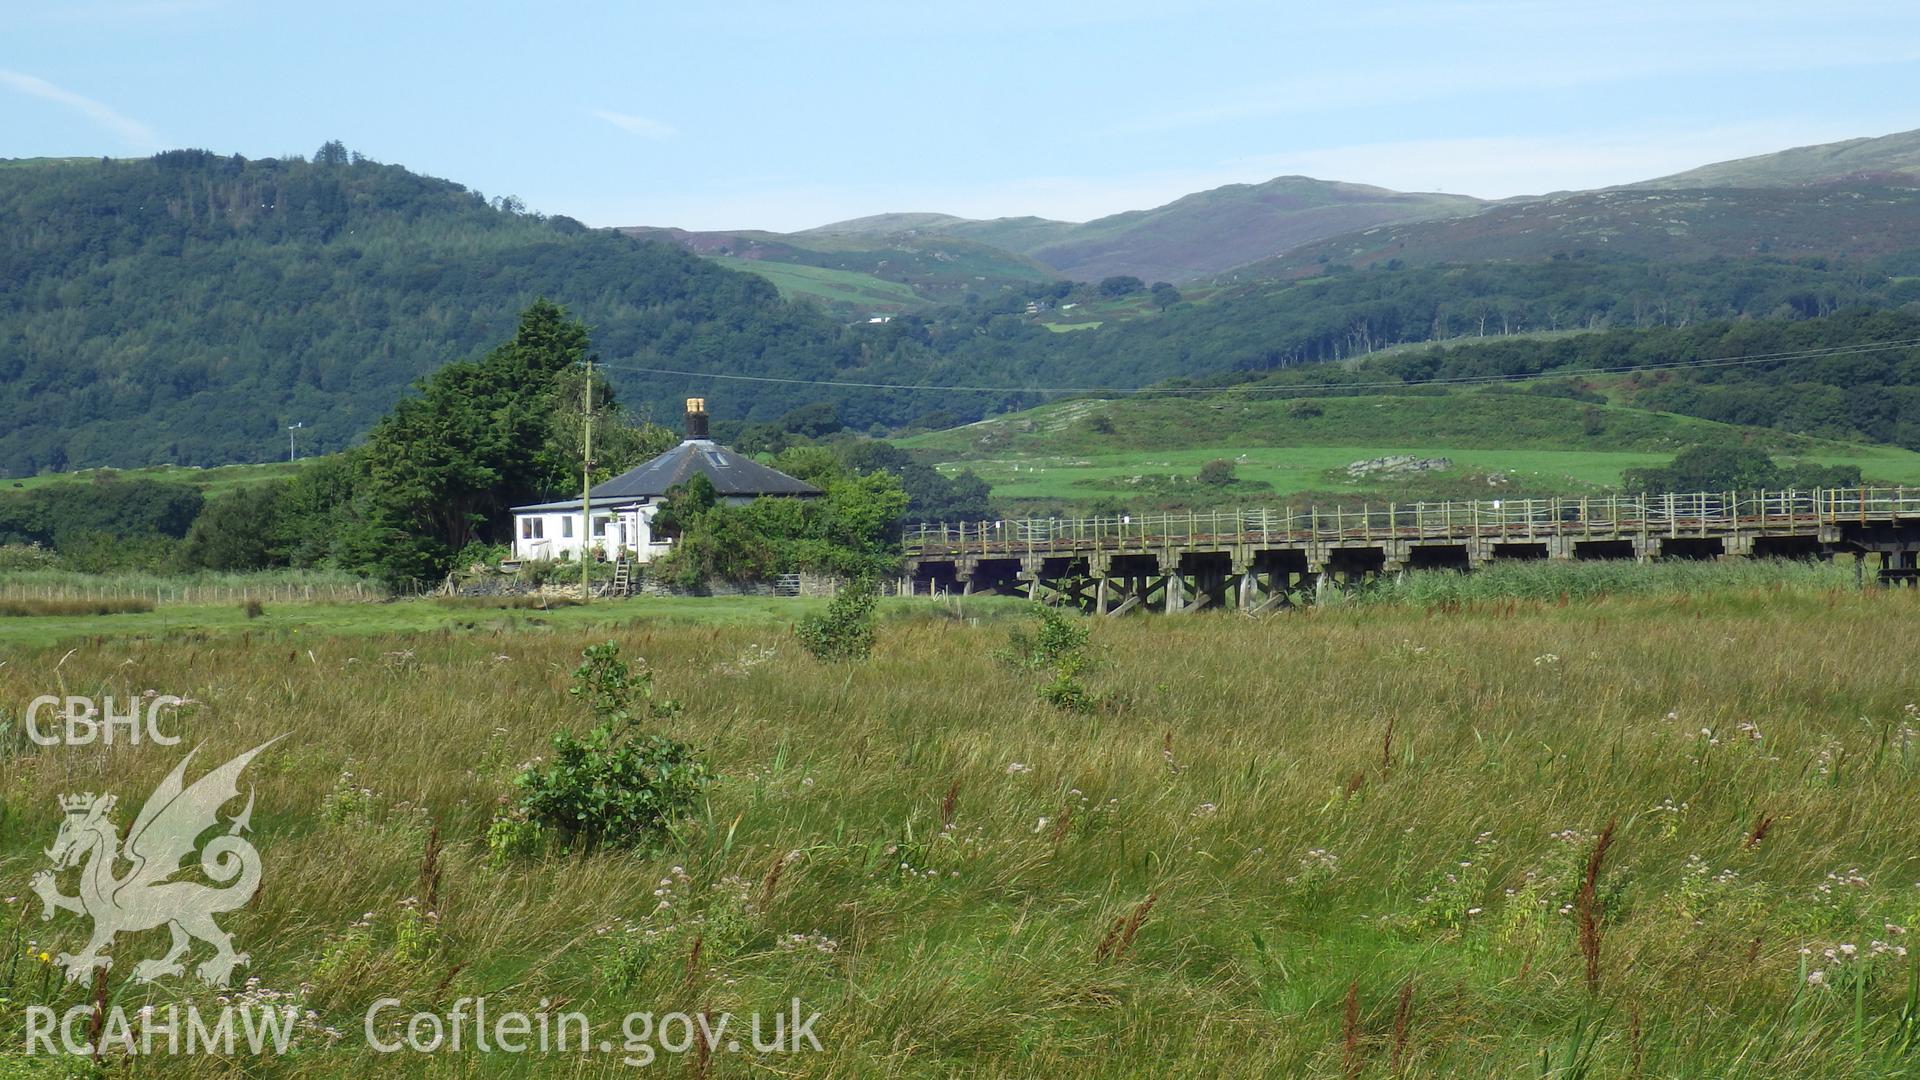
(1265, 553)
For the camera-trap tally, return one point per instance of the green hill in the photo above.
(1899, 153)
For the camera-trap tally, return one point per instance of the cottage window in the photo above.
(599, 526)
(532, 528)
(566, 527)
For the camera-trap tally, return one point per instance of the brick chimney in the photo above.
(696, 418)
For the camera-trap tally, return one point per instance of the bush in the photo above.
(1717, 468)
(27, 557)
(1061, 645)
(1216, 473)
(617, 786)
(845, 630)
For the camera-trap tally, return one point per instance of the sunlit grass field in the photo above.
(216, 480)
(824, 283)
(1267, 837)
(1084, 450)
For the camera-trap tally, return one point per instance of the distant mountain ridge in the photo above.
(1289, 225)
(1190, 238)
(1840, 218)
(1874, 158)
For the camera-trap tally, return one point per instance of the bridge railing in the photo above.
(1698, 513)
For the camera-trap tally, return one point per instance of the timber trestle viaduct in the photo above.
(1256, 560)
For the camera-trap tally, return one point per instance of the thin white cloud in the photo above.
(131, 131)
(1568, 67)
(109, 14)
(642, 126)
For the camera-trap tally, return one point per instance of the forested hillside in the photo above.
(188, 307)
(1354, 313)
(1854, 375)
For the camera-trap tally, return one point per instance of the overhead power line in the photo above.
(1864, 349)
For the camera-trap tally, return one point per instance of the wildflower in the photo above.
(1205, 809)
(1015, 768)
(1816, 978)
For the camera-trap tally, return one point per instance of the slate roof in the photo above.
(731, 475)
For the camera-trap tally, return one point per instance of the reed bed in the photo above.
(1663, 835)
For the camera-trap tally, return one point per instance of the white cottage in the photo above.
(622, 509)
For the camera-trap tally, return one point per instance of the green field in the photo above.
(847, 288)
(215, 480)
(1087, 449)
(1371, 859)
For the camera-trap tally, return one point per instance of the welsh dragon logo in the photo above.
(164, 834)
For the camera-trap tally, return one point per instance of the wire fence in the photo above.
(163, 593)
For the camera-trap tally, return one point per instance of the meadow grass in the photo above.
(294, 623)
(1504, 581)
(847, 287)
(214, 480)
(1085, 449)
(1237, 865)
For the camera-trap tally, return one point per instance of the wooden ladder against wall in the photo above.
(622, 577)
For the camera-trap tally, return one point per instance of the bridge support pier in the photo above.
(1900, 567)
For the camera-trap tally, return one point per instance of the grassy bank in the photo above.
(1196, 879)
(1751, 580)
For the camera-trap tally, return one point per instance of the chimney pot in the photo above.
(696, 418)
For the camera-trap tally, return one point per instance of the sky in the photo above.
(730, 114)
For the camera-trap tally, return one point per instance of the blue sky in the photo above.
(785, 115)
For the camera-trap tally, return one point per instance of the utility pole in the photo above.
(586, 493)
(291, 428)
